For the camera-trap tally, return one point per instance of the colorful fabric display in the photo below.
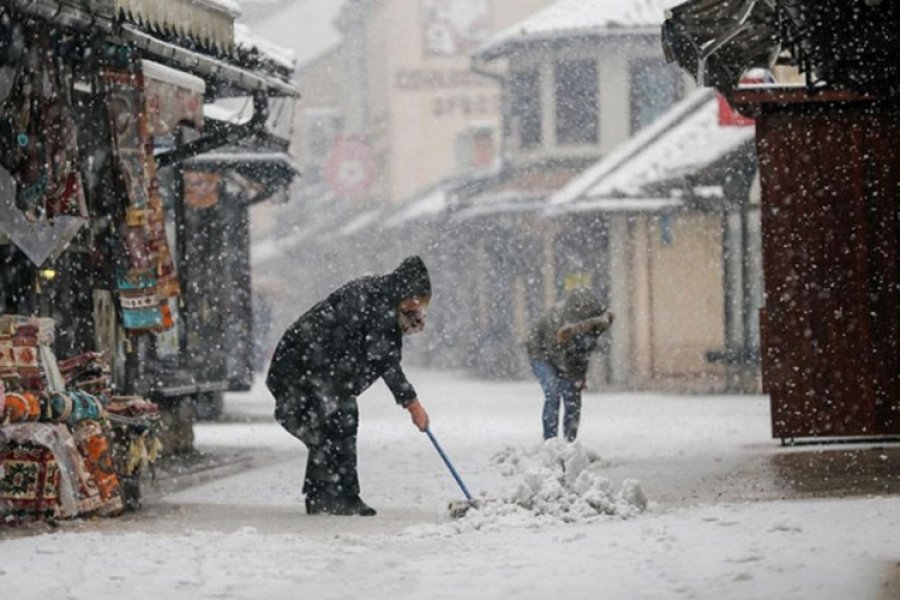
(88, 372)
(7, 356)
(60, 407)
(149, 273)
(78, 493)
(42, 327)
(38, 134)
(132, 406)
(139, 300)
(25, 351)
(29, 483)
(21, 407)
(96, 386)
(93, 444)
(73, 366)
(84, 407)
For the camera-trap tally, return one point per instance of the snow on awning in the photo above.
(273, 169)
(503, 202)
(626, 205)
(683, 141)
(249, 159)
(358, 224)
(571, 18)
(431, 204)
(209, 22)
(206, 66)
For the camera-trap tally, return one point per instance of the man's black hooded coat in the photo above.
(344, 343)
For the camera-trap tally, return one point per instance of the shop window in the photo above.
(655, 86)
(525, 110)
(575, 91)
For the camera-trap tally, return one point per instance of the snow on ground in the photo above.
(247, 536)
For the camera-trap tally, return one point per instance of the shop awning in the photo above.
(717, 41)
(206, 66)
(834, 42)
(502, 202)
(208, 23)
(271, 169)
(662, 161)
(81, 15)
(98, 15)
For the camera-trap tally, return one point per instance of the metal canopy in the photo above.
(836, 43)
(205, 66)
(718, 40)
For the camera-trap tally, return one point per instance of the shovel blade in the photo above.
(459, 508)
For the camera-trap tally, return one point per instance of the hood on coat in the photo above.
(581, 304)
(409, 280)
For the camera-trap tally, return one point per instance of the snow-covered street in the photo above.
(720, 523)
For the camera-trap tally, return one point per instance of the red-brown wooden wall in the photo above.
(830, 174)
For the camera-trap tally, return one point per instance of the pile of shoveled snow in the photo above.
(550, 483)
(559, 479)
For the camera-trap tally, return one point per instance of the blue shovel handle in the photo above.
(447, 462)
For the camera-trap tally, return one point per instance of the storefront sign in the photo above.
(350, 168)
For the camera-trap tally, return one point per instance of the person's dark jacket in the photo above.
(347, 341)
(566, 334)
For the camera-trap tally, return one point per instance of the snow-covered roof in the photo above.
(502, 202)
(685, 139)
(432, 203)
(245, 38)
(359, 223)
(208, 22)
(566, 18)
(626, 205)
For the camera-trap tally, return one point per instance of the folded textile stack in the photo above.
(67, 447)
(88, 372)
(26, 361)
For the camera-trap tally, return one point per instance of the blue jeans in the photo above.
(558, 387)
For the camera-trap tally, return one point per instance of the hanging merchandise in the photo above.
(42, 203)
(167, 278)
(137, 279)
(38, 135)
(139, 301)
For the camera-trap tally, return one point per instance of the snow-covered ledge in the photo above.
(209, 21)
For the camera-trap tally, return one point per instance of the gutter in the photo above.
(206, 66)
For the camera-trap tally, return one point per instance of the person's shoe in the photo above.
(349, 506)
(358, 507)
(338, 505)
